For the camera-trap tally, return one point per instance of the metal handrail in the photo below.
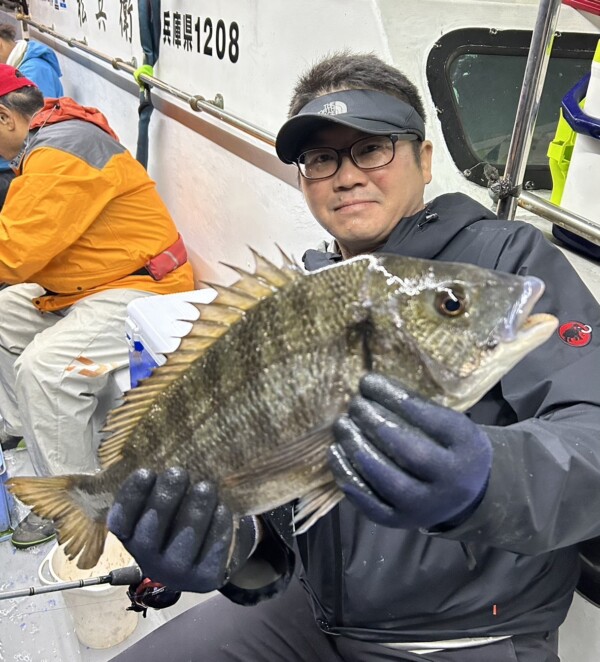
(565, 219)
(560, 216)
(196, 102)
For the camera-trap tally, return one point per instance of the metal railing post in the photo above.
(560, 216)
(529, 103)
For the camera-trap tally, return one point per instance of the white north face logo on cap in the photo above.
(334, 108)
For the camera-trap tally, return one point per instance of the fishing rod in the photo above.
(118, 577)
(143, 592)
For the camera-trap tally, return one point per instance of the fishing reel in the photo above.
(149, 594)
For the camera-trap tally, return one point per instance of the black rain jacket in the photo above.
(512, 567)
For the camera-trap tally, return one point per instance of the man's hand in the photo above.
(180, 535)
(408, 463)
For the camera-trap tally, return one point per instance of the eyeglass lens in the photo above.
(366, 153)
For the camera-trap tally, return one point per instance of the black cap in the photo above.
(367, 110)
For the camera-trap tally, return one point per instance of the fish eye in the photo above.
(451, 302)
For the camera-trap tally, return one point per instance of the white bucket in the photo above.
(99, 612)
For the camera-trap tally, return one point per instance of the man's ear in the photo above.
(426, 159)
(6, 117)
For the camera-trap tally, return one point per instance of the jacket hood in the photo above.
(423, 235)
(42, 52)
(64, 109)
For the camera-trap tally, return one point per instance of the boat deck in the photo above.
(39, 628)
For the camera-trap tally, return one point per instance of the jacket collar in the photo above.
(423, 235)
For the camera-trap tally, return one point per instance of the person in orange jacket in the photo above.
(83, 232)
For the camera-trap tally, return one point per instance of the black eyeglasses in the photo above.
(367, 154)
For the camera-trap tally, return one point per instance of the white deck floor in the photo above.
(39, 628)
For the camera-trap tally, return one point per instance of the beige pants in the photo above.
(53, 369)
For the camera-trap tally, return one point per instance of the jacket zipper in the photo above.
(338, 569)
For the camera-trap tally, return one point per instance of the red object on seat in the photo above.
(592, 6)
(169, 260)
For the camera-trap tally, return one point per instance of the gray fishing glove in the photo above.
(179, 534)
(406, 462)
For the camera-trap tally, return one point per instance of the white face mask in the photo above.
(17, 54)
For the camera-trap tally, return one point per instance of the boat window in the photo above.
(475, 78)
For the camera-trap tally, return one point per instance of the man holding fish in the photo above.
(456, 542)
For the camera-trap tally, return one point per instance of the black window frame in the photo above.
(488, 41)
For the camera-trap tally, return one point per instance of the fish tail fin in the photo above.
(59, 498)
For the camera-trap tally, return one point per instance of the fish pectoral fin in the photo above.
(307, 454)
(55, 498)
(313, 505)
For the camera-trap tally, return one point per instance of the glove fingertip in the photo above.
(142, 475)
(204, 491)
(137, 485)
(116, 522)
(177, 474)
(374, 384)
(129, 503)
(342, 469)
(388, 392)
(337, 458)
(345, 430)
(363, 499)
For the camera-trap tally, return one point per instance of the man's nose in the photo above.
(348, 174)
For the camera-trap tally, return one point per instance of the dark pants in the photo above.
(284, 630)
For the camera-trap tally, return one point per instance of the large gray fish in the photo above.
(248, 398)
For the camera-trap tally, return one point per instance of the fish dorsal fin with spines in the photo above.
(216, 318)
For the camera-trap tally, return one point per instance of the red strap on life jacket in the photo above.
(65, 108)
(169, 260)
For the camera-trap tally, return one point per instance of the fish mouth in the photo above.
(519, 324)
(537, 325)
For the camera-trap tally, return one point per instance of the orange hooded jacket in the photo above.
(82, 216)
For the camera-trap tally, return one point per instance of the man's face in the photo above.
(5, 50)
(13, 131)
(358, 207)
